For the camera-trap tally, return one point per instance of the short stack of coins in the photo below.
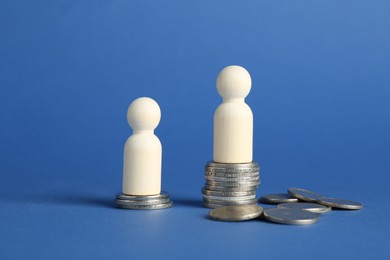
(157, 201)
(229, 184)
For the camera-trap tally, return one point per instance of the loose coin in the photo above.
(312, 207)
(291, 216)
(277, 198)
(303, 194)
(236, 213)
(340, 203)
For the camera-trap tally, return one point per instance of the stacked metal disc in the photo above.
(229, 184)
(158, 201)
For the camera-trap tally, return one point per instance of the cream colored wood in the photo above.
(143, 151)
(233, 119)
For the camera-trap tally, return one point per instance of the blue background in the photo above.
(320, 98)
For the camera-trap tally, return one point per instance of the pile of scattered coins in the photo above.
(297, 207)
(230, 184)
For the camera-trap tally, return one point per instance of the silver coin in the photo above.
(312, 207)
(222, 174)
(230, 202)
(122, 196)
(241, 179)
(146, 201)
(212, 205)
(145, 207)
(232, 184)
(158, 201)
(229, 170)
(230, 189)
(229, 198)
(305, 195)
(236, 213)
(237, 170)
(291, 216)
(213, 164)
(277, 198)
(232, 169)
(228, 193)
(239, 166)
(339, 203)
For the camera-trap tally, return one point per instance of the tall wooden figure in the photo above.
(233, 119)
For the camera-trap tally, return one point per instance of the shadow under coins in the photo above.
(84, 200)
(107, 202)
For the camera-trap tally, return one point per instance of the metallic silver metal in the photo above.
(308, 206)
(224, 174)
(232, 184)
(230, 198)
(230, 202)
(305, 195)
(217, 165)
(145, 207)
(230, 189)
(228, 193)
(239, 179)
(236, 213)
(277, 198)
(340, 203)
(122, 196)
(148, 202)
(291, 216)
(212, 205)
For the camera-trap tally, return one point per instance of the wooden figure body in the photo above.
(143, 151)
(233, 119)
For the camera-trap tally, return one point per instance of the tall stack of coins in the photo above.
(229, 184)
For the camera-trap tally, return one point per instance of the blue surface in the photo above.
(320, 97)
